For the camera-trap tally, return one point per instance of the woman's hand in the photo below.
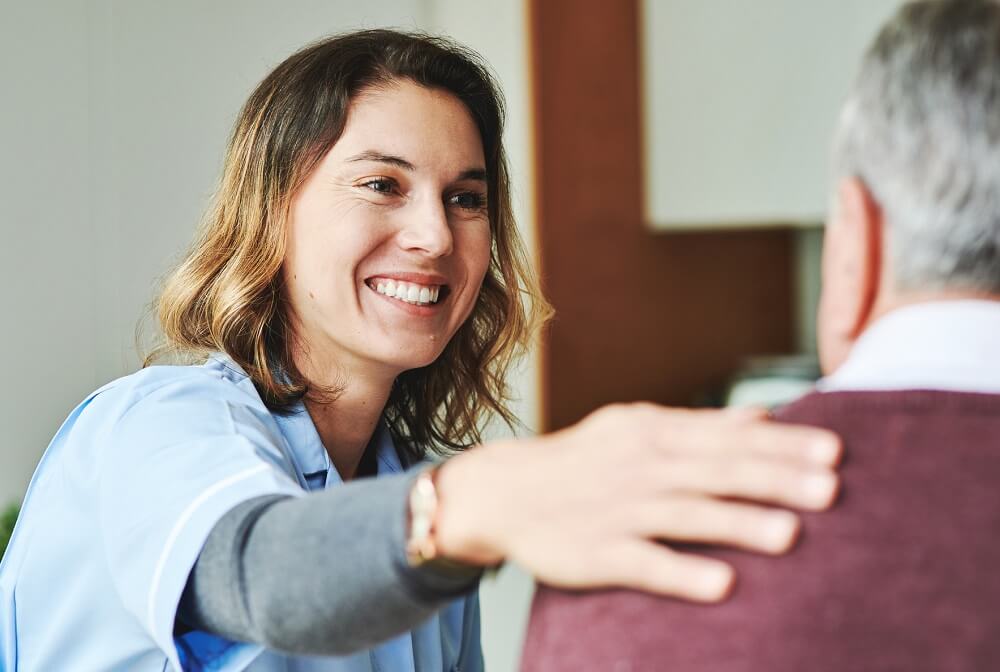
(584, 507)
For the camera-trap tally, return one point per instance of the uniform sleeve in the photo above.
(178, 457)
(324, 574)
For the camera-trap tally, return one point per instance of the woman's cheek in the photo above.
(483, 245)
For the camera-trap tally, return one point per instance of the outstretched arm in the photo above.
(321, 574)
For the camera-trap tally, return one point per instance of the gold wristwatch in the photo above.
(420, 544)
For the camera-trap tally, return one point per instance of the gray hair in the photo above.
(921, 129)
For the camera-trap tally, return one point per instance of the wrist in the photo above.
(422, 504)
(472, 512)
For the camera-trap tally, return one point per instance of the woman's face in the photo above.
(389, 238)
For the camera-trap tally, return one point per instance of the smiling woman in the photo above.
(391, 164)
(389, 203)
(352, 305)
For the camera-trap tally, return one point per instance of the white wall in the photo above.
(113, 120)
(740, 101)
(48, 249)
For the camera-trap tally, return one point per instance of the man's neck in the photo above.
(891, 299)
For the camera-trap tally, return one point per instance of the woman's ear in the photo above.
(852, 264)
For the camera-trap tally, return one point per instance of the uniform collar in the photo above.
(311, 456)
(308, 452)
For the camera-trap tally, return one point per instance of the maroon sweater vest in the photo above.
(904, 574)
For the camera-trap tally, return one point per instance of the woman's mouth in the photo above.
(408, 292)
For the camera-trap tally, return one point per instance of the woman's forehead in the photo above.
(424, 126)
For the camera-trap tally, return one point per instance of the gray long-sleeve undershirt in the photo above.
(321, 574)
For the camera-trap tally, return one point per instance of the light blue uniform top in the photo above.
(120, 506)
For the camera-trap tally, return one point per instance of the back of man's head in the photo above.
(917, 168)
(922, 130)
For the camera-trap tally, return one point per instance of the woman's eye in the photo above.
(469, 200)
(380, 185)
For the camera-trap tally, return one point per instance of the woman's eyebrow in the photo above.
(476, 174)
(379, 157)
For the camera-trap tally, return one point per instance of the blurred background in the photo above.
(668, 161)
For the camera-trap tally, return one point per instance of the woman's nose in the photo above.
(426, 229)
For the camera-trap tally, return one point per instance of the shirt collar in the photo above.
(308, 451)
(941, 345)
(311, 456)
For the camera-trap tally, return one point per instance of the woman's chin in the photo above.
(413, 359)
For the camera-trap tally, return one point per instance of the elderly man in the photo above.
(903, 575)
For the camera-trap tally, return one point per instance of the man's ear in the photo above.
(852, 266)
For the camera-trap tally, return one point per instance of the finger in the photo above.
(753, 478)
(810, 445)
(744, 413)
(711, 521)
(654, 568)
(728, 433)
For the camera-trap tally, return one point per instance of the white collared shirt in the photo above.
(941, 345)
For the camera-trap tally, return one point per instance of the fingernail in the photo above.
(715, 581)
(819, 488)
(824, 450)
(780, 530)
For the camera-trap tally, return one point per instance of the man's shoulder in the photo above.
(833, 408)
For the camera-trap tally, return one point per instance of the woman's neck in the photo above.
(347, 418)
(346, 426)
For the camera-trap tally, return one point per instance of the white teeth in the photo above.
(408, 292)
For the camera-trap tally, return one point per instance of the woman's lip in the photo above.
(415, 278)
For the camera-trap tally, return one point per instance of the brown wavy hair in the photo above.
(226, 294)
